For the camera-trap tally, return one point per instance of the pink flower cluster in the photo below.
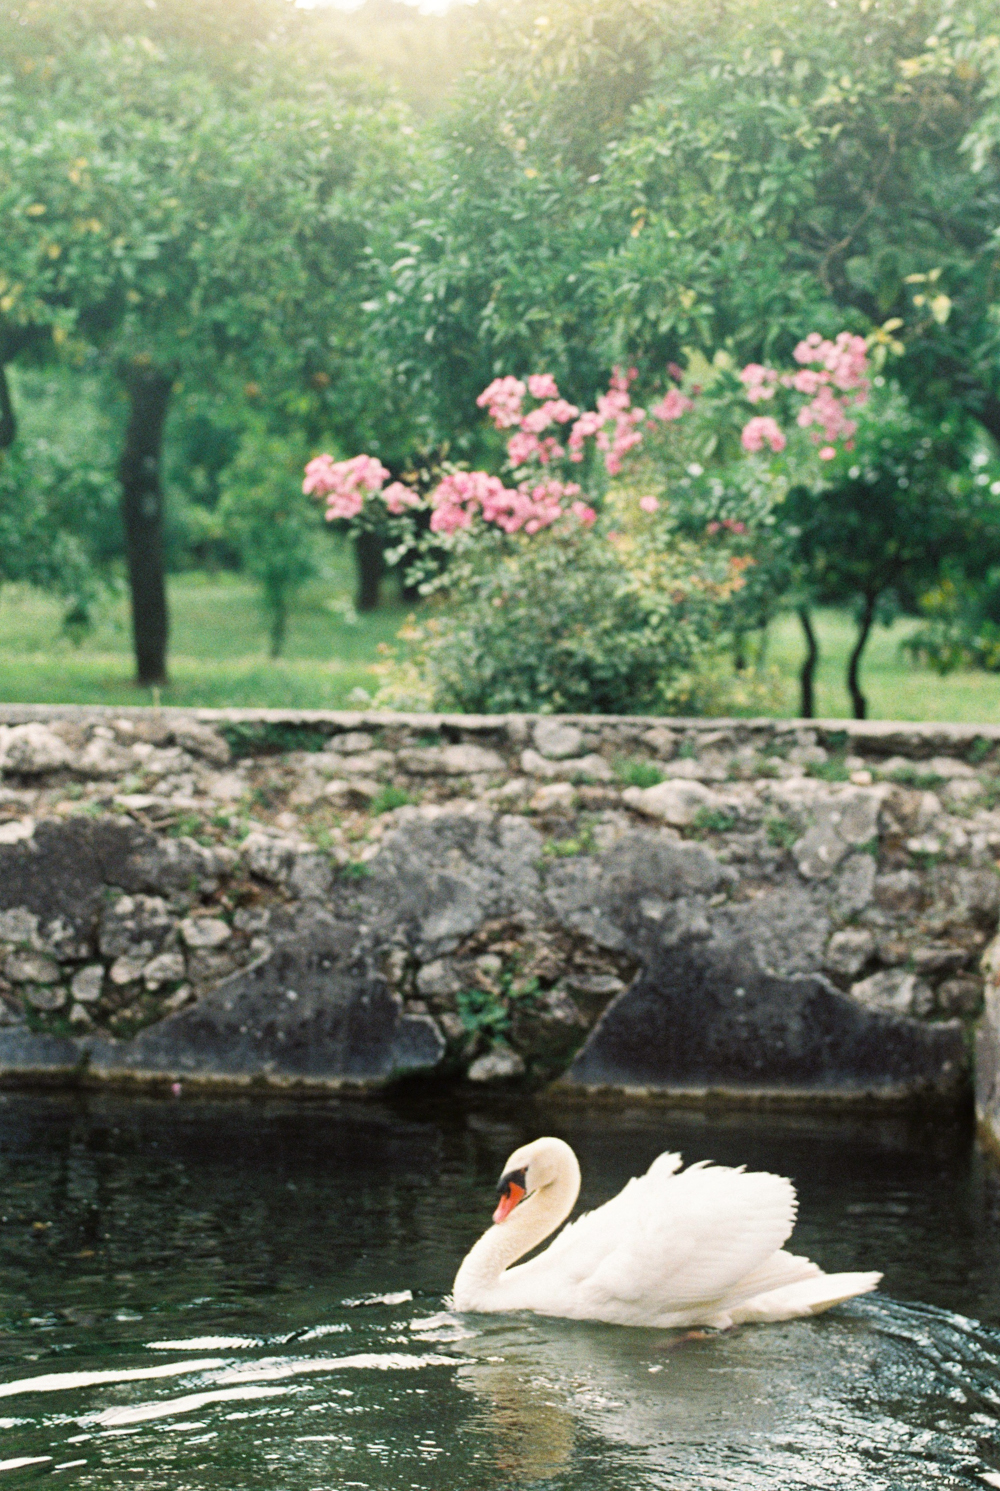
(618, 433)
(503, 398)
(845, 359)
(760, 382)
(672, 406)
(613, 423)
(347, 484)
(832, 375)
(760, 431)
(463, 494)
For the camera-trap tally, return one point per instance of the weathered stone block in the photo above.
(204, 931)
(704, 1018)
(842, 821)
(31, 968)
(896, 991)
(451, 760)
(988, 1048)
(848, 951)
(556, 740)
(309, 1011)
(498, 1065)
(674, 801)
(31, 749)
(571, 769)
(553, 797)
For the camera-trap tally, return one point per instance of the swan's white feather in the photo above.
(807, 1297)
(678, 1247)
(682, 1240)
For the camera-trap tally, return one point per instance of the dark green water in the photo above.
(184, 1286)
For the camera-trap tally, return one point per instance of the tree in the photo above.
(879, 530)
(262, 513)
(494, 267)
(242, 186)
(636, 178)
(793, 163)
(54, 519)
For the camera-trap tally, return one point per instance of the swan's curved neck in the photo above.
(528, 1224)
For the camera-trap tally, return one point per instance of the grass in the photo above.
(219, 656)
(218, 653)
(894, 688)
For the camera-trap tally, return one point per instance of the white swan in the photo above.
(698, 1247)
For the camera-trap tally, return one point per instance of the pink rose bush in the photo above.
(546, 436)
(464, 495)
(832, 376)
(761, 431)
(538, 497)
(346, 485)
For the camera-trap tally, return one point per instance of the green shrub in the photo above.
(557, 622)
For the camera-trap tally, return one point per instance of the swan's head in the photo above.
(531, 1169)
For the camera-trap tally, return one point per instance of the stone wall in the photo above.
(776, 910)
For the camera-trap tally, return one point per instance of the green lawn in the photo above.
(219, 656)
(218, 653)
(895, 690)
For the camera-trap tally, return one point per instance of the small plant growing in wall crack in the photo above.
(912, 776)
(483, 1013)
(712, 821)
(188, 826)
(833, 770)
(638, 773)
(781, 834)
(389, 798)
(488, 1011)
(979, 750)
(582, 842)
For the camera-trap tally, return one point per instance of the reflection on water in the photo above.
(230, 1295)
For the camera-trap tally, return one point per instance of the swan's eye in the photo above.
(513, 1188)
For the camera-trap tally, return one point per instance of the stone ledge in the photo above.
(880, 736)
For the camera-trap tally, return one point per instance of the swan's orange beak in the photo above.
(513, 1193)
(513, 1188)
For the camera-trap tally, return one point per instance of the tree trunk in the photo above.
(858, 699)
(370, 566)
(8, 419)
(739, 649)
(277, 604)
(807, 697)
(142, 517)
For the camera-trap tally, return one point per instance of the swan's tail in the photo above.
(808, 1297)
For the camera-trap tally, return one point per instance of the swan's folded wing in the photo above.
(582, 1246)
(696, 1236)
